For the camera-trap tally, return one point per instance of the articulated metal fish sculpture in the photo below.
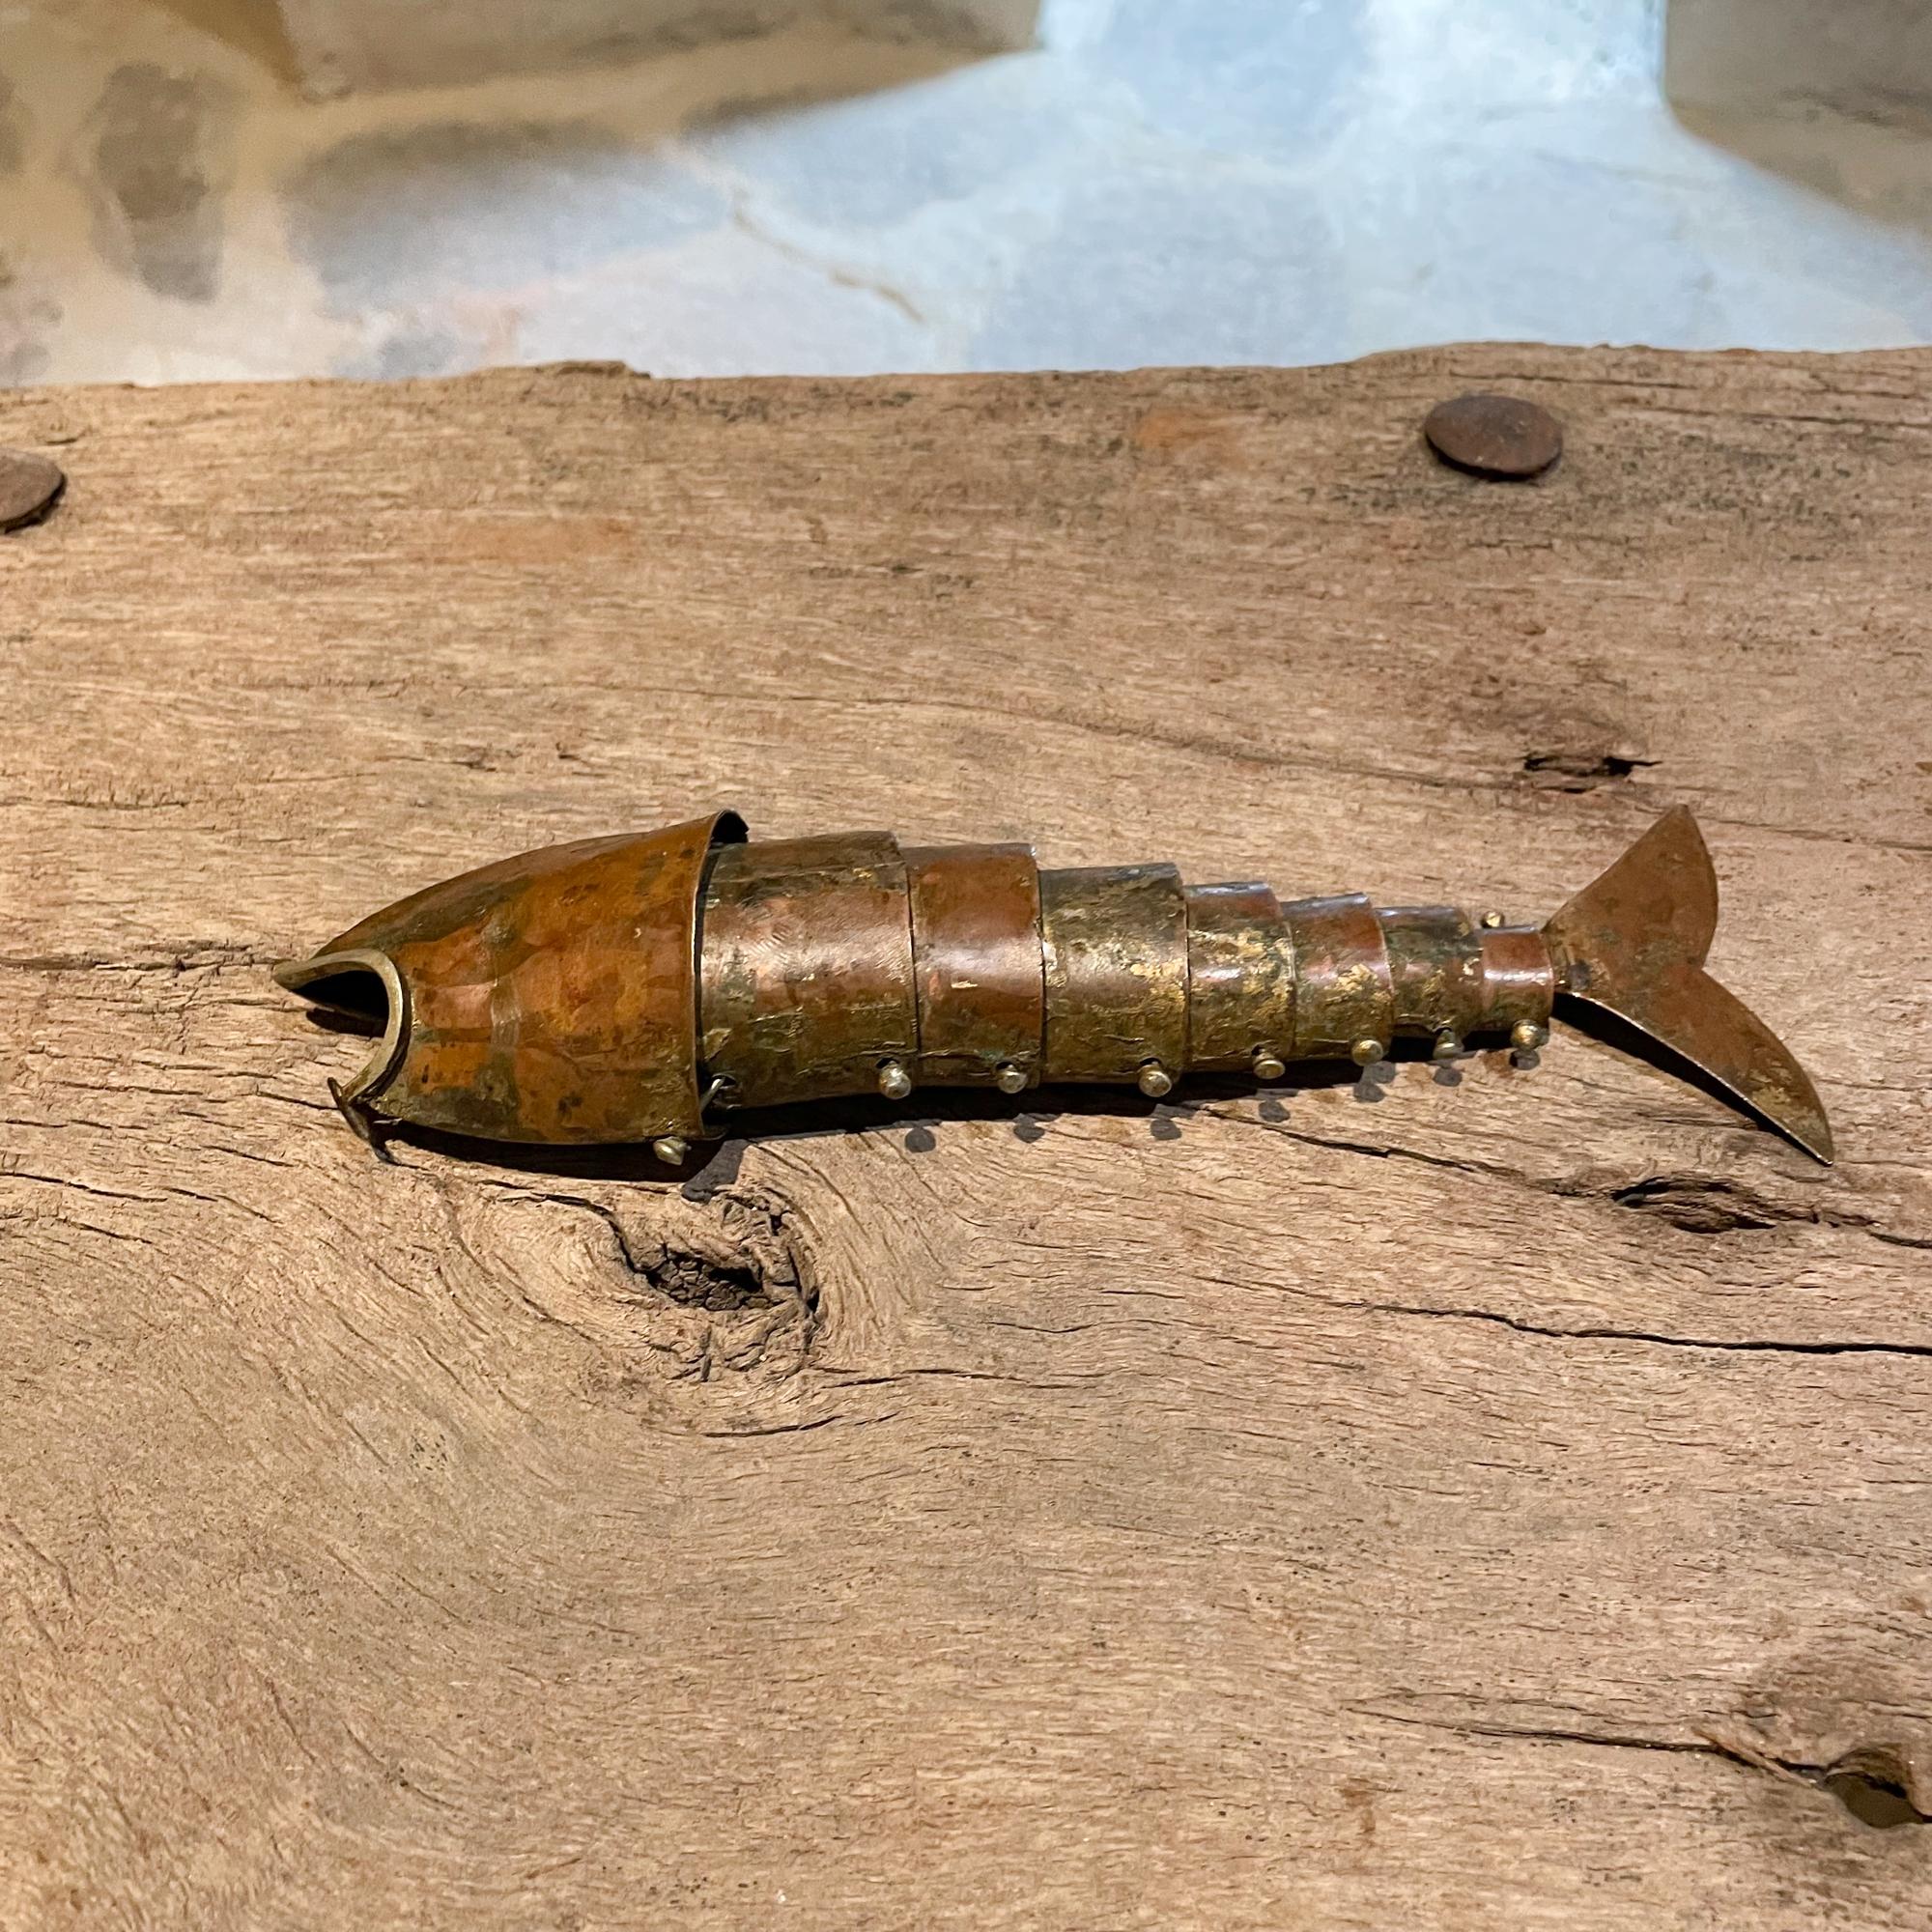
(639, 988)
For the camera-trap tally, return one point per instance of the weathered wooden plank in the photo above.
(1460, 1499)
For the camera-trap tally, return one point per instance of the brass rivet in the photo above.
(1155, 1081)
(894, 1082)
(672, 1151)
(1267, 1064)
(1490, 921)
(1526, 1036)
(1366, 1052)
(1448, 1044)
(1010, 1079)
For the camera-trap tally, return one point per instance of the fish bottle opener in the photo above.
(638, 989)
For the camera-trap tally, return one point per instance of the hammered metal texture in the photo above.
(1240, 975)
(807, 966)
(1116, 945)
(553, 996)
(1518, 977)
(977, 961)
(1343, 985)
(1435, 969)
(594, 993)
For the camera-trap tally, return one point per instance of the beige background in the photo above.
(1156, 182)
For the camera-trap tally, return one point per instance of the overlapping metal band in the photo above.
(807, 966)
(981, 988)
(1115, 939)
(1240, 976)
(1344, 988)
(826, 961)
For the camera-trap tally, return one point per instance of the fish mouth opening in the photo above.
(363, 988)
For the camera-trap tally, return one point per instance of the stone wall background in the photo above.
(1158, 182)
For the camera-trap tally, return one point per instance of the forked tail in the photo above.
(1632, 944)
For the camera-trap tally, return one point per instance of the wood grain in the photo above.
(1494, 1500)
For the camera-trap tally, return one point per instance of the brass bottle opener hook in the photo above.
(638, 988)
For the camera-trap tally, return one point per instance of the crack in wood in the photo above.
(1742, 1345)
(1696, 1204)
(1875, 1783)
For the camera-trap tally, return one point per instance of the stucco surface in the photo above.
(1158, 182)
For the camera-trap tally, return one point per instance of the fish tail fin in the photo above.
(1632, 944)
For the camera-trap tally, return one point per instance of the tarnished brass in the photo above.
(635, 988)
(807, 967)
(1343, 989)
(1240, 976)
(1435, 969)
(1116, 944)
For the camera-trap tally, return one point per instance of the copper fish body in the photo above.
(638, 989)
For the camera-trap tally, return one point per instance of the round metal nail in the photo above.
(1267, 1064)
(1010, 1079)
(672, 1151)
(1155, 1081)
(1526, 1037)
(30, 486)
(894, 1082)
(1490, 921)
(1448, 1045)
(1366, 1052)
(1495, 435)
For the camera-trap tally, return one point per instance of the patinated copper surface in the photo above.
(1502, 436)
(808, 977)
(546, 998)
(981, 981)
(1633, 944)
(30, 486)
(1240, 975)
(1435, 969)
(1518, 979)
(1344, 991)
(635, 988)
(1116, 944)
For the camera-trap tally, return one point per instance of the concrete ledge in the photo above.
(1871, 59)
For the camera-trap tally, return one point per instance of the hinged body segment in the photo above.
(639, 988)
(979, 988)
(823, 960)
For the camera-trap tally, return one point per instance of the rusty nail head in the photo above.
(29, 488)
(1495, 435)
